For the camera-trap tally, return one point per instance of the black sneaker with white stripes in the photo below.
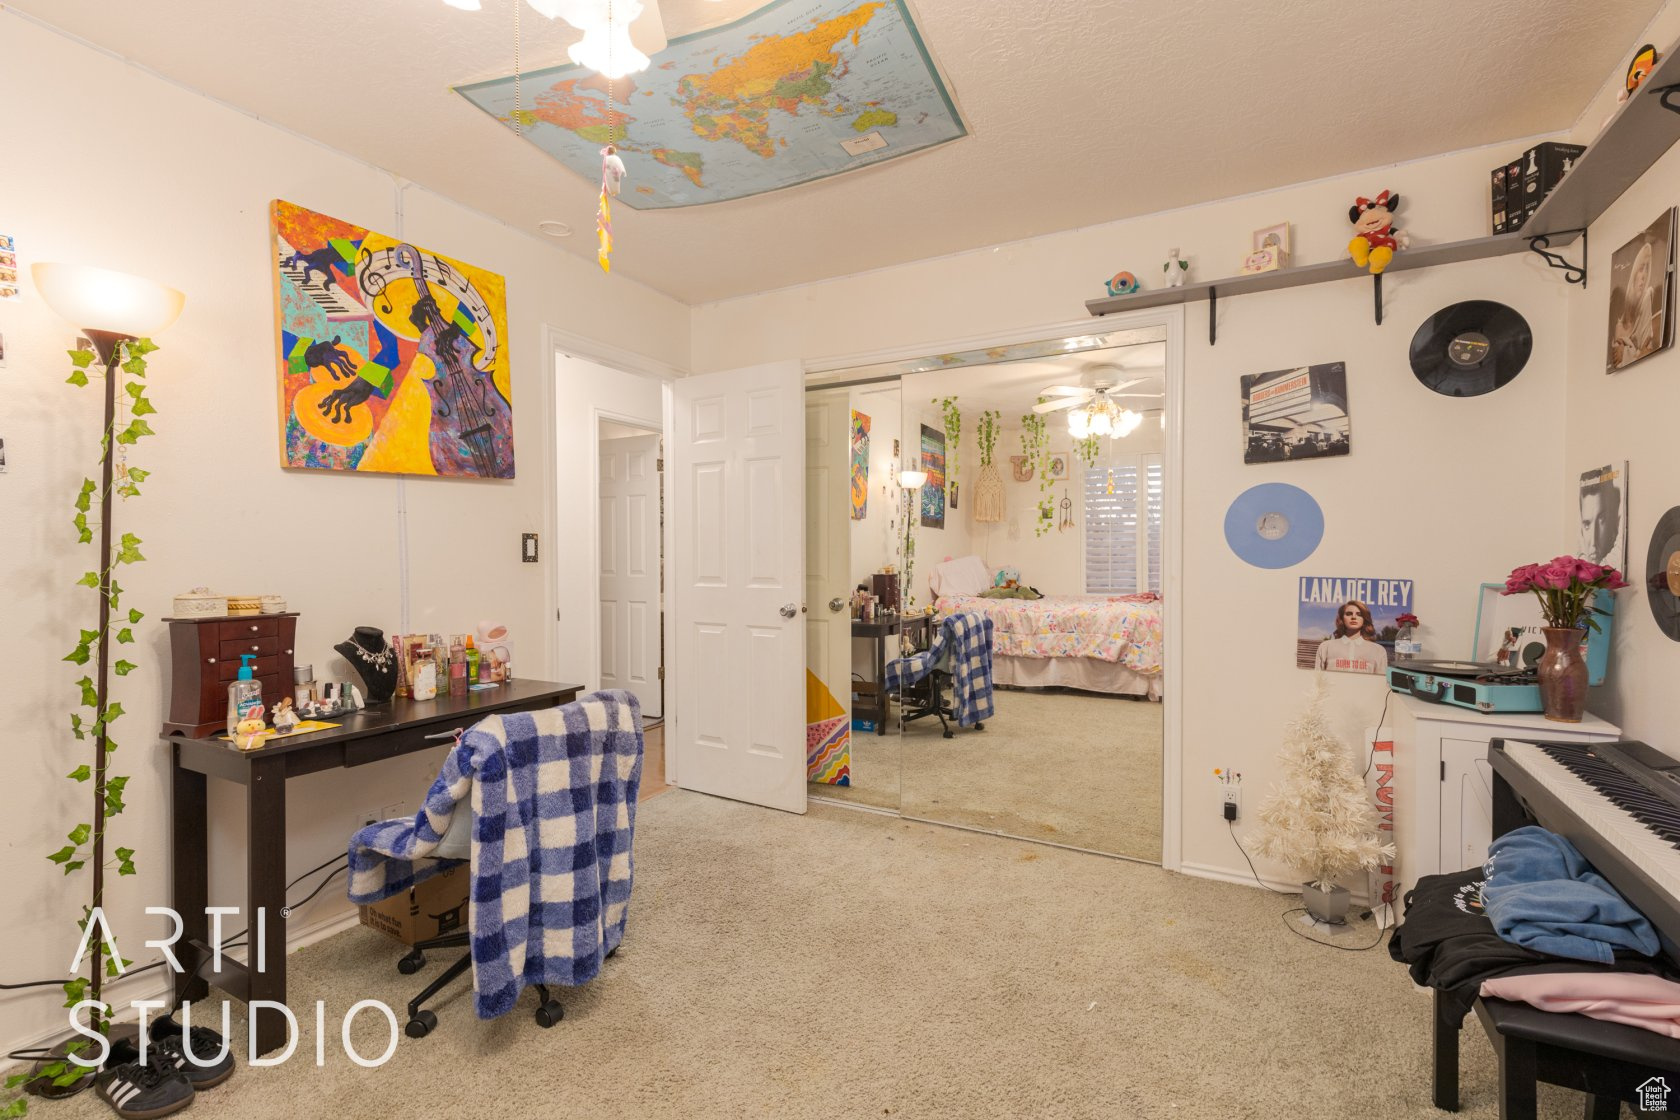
(215, 1057)
(143, 1092)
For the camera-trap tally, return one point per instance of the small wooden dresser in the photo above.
(205, 657)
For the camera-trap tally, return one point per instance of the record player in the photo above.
(1501, 673)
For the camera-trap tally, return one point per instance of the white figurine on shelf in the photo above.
(1176, 269)
(285, 719)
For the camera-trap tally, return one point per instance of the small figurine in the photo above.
(285, 719)
(612, 170)
(247, 733)
(1374, 237)
(1176, 269)
(1123, 284)
(1644, 61)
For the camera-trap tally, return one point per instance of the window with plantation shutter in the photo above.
(1123, 507)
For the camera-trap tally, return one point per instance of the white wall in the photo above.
(1628, 415)
(112, 166)
(875, 538)
(1397, 506)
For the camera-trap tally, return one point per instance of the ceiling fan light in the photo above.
(1079, 423)
(465, 5)
(1101, 425)
(608, 51)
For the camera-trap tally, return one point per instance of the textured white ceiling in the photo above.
(1013, 387)
(1080, 111)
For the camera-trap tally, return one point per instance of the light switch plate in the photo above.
(528, 547)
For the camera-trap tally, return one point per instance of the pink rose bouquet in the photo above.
(1565, 588)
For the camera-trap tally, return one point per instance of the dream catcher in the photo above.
(1067, 515)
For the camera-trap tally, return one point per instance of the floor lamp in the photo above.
(111, 308)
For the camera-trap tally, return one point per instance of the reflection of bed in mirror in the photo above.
(1099, 643)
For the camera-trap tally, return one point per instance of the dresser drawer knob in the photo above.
(254, 649)
(288, 653)
(253, 629)
(210, 660)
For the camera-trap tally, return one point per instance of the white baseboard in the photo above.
(1246, 878)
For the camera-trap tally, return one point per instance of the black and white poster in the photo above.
(1642, 295)
(1299, 413)
(1604, 514)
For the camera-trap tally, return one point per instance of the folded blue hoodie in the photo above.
(1542, 894)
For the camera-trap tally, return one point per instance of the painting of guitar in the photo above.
(392, 357)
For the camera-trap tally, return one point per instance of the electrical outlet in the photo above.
(1229, 783)
(365, 817)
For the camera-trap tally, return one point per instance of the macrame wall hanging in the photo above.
(988, 488)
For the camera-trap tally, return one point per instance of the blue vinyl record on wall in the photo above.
(1274, 525)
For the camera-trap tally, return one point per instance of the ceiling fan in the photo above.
(1102, 383)
(1094, 411)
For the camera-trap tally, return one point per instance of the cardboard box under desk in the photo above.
(428, 909)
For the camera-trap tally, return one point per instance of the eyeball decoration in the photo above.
(1122, 284)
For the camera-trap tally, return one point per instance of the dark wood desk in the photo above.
(878, 632)
(386, 731)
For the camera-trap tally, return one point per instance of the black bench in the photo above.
(1609, 1062)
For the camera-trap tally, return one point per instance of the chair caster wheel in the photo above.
(421, 1025)
(979, 727)
(948, 735)
(550, 1013)
(613, 952)
(412, 963)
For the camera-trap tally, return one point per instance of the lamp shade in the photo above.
(912, 480)
(98, 299)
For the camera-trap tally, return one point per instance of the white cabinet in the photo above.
(1443, 783)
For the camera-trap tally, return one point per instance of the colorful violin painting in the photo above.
(391, 356)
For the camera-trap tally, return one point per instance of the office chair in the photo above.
(962, 647)
(455, 844)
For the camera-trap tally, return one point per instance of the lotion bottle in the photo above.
(244, 694)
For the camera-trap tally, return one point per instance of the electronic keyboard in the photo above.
(1619, 803)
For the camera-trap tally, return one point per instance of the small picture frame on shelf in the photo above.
(1058, 468)
(1275, 238)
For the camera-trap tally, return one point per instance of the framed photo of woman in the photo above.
(1642, 295)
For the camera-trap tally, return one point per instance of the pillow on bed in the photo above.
(966, 575)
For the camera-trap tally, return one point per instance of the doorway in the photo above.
(632, 562)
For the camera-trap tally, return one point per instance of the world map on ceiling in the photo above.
(799, 90)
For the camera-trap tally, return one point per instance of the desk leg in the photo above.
(883, 702)
(1446, 1059)
(190, 856)
(265, 887)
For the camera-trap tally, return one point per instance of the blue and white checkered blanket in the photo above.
(967, 636)
(553, 798)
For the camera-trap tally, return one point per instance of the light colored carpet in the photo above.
(848, 964)
(1068, 767)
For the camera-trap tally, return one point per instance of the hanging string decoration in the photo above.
(612, 171)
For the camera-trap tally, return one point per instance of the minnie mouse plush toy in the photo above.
(1375, 238)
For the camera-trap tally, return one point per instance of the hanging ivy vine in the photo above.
(953, 436)
(1035, 446)
(986, 435)
(1088, 449)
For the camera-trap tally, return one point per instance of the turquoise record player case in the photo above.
(1509, 640)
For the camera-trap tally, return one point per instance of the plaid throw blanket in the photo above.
(553, 798)
(967, 637)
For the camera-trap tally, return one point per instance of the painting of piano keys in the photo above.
(1349, 625)
(392, 358)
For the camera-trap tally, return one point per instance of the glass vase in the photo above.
(1563, 675)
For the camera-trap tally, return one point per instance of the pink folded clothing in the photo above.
(1639, 1000)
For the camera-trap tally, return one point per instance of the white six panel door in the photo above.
(737, 459)
(828, 541)
(630, 568)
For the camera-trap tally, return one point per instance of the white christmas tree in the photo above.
(1320, 821)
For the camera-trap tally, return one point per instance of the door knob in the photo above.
(837, 604)
(791, 610)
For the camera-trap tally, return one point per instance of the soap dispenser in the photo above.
(245, 699)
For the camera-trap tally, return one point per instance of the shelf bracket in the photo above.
(1376, 288)
(1572, 273)
(1213, 316)
(1666, 95)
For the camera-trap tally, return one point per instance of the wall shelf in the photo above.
(1638, 136)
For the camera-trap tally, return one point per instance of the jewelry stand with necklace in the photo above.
(374, 661)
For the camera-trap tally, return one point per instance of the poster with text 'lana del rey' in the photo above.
(1348, 625)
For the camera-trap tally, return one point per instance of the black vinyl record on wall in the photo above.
(1662, 573)
(1471, 348)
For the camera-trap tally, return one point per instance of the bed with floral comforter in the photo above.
(1122, 631)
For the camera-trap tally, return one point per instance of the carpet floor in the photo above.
(848, 964)
(1072, 768)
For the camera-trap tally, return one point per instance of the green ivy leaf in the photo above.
(142, 346)
(74, 865)
(63, 854)
(116, 593)
(89, 637)
(125, 636)
(83, 534)
(128, 551)
(133, 389)
(77, 378)
(84, 498)
(117, 783)
(128, 490)
(135, 366)
(123, 668)
(76, 728)
(89, 579)
(90, 695)
(125, 861)
(79, 835)
(141, 407)
(17, 1079)
(79, 655)
(81, 773)
(138, 475)
(74, 989)
(81, 359)
(19, 1107)
(110, 744)
(112, 713)
(135, 615)
(135, 429)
